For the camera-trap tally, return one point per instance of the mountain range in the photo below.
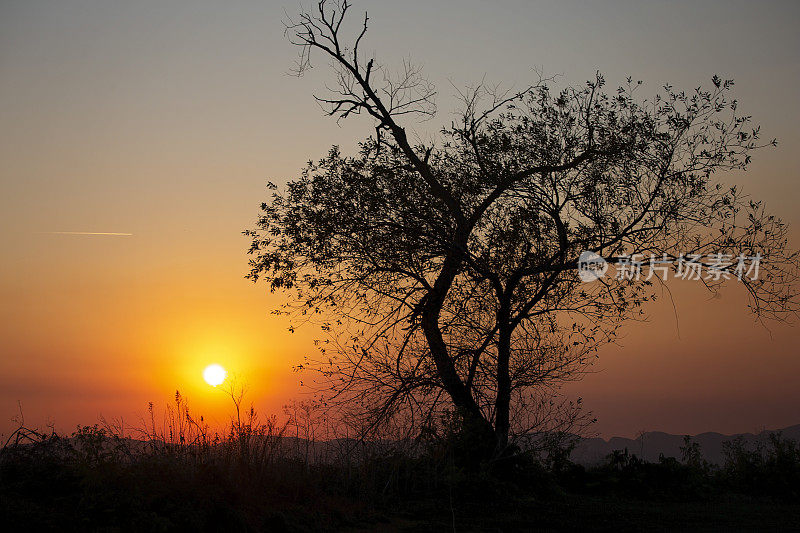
(652, 444)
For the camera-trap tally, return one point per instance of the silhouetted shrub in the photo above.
(772, 469)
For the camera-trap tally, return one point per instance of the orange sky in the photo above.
(165, 120)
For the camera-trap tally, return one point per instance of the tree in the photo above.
(447, 272)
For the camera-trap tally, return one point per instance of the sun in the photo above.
(214, 375)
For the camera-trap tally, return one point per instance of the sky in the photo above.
(164, 120)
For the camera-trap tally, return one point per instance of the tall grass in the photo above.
(306, 468)
(311, 471)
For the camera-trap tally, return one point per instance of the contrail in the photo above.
(88, 233)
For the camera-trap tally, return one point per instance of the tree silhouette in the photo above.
(446, 273)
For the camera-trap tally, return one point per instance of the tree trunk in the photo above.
(477, 430)
(503, 400)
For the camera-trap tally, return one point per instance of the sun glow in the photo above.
(214, 375)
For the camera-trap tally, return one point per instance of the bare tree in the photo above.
(446, 273)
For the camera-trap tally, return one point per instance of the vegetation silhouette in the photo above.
(445, 274)
(261, 475)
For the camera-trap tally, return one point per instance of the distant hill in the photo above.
(650, 445)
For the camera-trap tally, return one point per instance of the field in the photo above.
(256, 478)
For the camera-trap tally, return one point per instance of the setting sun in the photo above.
(214, 375)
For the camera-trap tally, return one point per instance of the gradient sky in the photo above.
(165, 119)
